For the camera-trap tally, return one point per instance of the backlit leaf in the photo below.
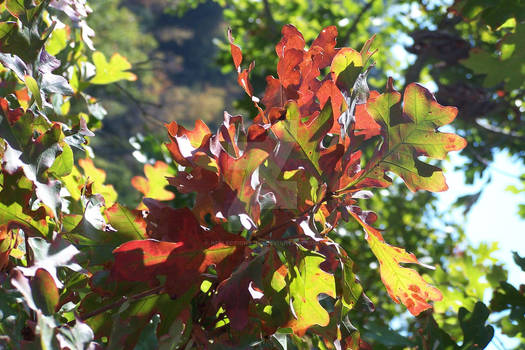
(109, 72)
(143, 260)
(153, 185)
(402, 284)
(302, 140)
(127, 221)
(5, 28)
(98, 177)
(35, 90)
(410, 133)
(45, 292)
(345, 68)
(40, 292)
(184, 252)
(307, 281)
(50, 256)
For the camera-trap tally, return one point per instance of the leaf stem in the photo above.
(263, 233)
(29, 255)
(122, 300)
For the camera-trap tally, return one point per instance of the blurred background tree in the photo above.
(469, 52)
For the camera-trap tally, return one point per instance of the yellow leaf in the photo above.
(98, 177)
(153, 185)
(109, 72)
(402, 284)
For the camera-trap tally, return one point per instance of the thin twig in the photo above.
(149, 60)
(499, 131)
(490, 165)
(29, 262)
(138, 102)
(122, 300)
(140, 106)
(29, 256)
(499, 343)
(269, 16)
(260, 234)
(414, 70)
(354, 24)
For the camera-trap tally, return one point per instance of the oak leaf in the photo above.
(409, 133)
(402, 284)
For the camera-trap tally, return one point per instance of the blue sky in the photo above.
(493, 218)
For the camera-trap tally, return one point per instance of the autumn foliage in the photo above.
(289, 178)
(253, 257)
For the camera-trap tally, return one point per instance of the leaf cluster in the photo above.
(251, 262)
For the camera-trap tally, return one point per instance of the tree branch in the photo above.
(263, 233)
(122, 300)
(414, 71)
(498, 131)
(354, 24)
(269, 16)
(140, 106)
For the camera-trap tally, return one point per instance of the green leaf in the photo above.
(14, 212)
(129, 223)
(79, 336)
(519, 260)
(307, 281)
(25, 11)
(374, 331)
(12, 316)
(15, 7)
(148, 336)
(45, 292)
(345, 68)
(34, 156)
(507, 297)
(433, 337)
(14, 63)
(352, 289)
(41, 155)
(26, 40)
(50, 256)
(90, 235)
(98, 177)
(153, 185)
(16, 127)
(5, 28)
(476, 333)
(511, 66)
(411, 133)
(40, 292)
(302, 140)
(402, 284)
(114, 70)
(63, 164)
(57, 41)
(14, 206)
(32, 86)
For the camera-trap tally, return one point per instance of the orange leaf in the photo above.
(153, 185)
(403, 284)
